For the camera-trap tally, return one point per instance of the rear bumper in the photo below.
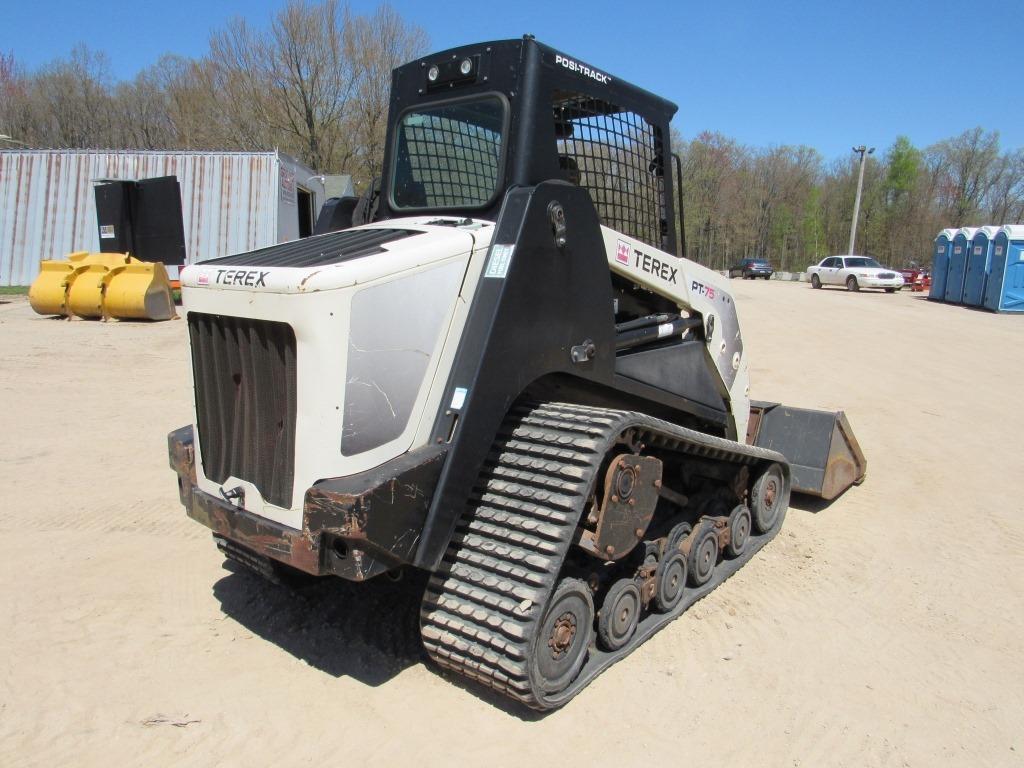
(355, 527)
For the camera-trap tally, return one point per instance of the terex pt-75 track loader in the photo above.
(501, 374)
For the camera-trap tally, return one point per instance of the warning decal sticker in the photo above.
(501, 257)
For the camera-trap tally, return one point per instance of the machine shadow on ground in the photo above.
(369, 631)
(812, 504)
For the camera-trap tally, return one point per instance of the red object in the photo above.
(917, 279)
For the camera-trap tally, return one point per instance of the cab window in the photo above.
(450, 155)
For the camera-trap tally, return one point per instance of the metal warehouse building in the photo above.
(230, 201)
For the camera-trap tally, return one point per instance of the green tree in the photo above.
(904, 164)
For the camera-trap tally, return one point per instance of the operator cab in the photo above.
(464, 129)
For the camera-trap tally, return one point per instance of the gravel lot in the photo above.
(883, 629)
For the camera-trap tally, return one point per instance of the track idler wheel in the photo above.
(767, 498)
(670, 581)
(560, 646)
(620, 613)
(703, 553)
(739, 531)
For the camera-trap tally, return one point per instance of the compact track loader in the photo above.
(500, 374)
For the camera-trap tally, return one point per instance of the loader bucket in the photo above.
(140, 290)
(103, 285)
(824, 456)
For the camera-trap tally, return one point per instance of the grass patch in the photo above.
(13, 290)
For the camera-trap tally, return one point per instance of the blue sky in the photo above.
(828, 74)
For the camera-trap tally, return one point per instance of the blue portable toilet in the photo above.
(1004, 289)
(958, 264)
(940, 264)
(977, 265)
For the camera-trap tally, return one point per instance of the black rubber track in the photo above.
(483, 604)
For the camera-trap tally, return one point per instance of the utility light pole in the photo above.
(864, 152)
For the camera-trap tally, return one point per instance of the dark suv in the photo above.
(752, 268)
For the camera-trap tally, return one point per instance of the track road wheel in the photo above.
(766, 498)
(560, 646)
(703, 555)
(620, 613)
(739, 531)
(815, 281)
(675, 536)
(852, 284)
(670, 581)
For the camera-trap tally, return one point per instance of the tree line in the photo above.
(315, 83)
(788, 205)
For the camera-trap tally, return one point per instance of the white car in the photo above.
(855, 272)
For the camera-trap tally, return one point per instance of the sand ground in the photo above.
(882, 630)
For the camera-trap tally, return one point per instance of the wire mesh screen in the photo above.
(616, 155)
(449, 156)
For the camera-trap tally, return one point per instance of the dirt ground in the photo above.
(884, 629)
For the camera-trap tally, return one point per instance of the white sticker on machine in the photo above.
(501, 257)
(107, 232)
(458, 398)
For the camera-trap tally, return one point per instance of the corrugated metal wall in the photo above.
(229, 202)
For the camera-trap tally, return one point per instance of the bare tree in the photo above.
(375, 45)
(970, 163)
(1005, 198)
(71, 102)
(290, 85)
(143, 115)
(15, 113)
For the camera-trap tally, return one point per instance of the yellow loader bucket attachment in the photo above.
(140, 290)
(103, 285)
(824, 456)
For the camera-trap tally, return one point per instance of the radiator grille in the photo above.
(245, 401)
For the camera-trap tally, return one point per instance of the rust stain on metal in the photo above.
(722, 530)
(340, 533)
(337, 513)
(307, 278)
(647, 574)
(630, 496)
